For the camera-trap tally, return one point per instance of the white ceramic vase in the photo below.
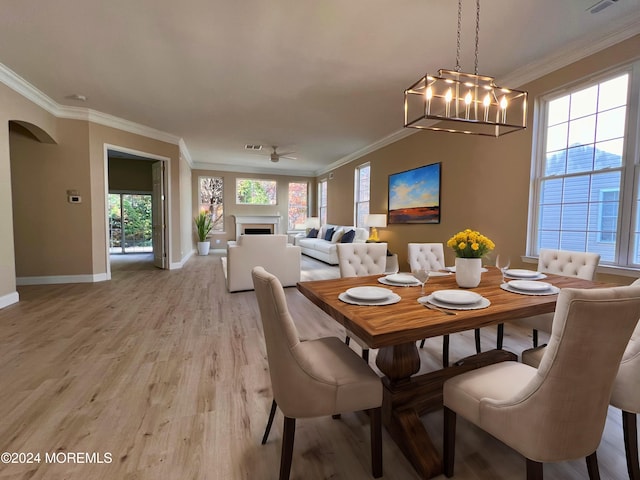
(468, 272)
(203, 248)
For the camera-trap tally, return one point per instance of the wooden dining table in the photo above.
(394, 330)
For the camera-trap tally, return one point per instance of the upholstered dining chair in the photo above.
(430, 256)
(312, 378)
(556, 412)
(358, 260)
(561, 262)
(625, 395)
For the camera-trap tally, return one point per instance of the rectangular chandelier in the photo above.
(466, 103)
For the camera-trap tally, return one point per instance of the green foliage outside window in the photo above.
(255, 192)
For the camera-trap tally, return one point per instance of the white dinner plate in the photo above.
(369, 293)
(453, 269)
(521, 273)
(402, 278)
(384, 281)
(456, 297)
(552, 291)
(529, 285)
(483, 303)
(390, 300)
(438, 273)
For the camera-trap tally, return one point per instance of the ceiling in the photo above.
(322, 78)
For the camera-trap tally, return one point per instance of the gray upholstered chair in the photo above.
(312, 378)
(430, 256)
(561, 262)
(358, 260)
(556, 412)
(625, 395)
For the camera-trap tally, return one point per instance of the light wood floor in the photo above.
(167, 372)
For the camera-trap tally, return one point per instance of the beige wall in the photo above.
(231, 208)
(485, 181)
(17, 108)
(99, 136)
(186, 210)
(52, 236)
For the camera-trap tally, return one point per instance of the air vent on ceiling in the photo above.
(601, 5)
(252, 147)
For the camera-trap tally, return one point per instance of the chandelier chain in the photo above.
(458, 38)
(477, 33)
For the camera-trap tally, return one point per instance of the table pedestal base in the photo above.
(406, 400)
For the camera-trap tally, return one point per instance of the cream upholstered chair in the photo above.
(270, 251)
(561, 262)
(556, 412)
(426, 255)
(625, 395)
(312, 378)
(357, 260)
(430, 256)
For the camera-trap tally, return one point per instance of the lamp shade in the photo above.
(375, 220)
(312, 222)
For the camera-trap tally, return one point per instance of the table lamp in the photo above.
(375, 220)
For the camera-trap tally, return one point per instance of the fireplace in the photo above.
(257, 231)
(254, 222)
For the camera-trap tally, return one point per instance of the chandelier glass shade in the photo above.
(457, 102)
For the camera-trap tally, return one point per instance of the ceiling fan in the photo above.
(275, 156)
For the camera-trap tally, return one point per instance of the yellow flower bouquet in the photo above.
(470, 244)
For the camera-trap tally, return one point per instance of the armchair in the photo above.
(269, 251)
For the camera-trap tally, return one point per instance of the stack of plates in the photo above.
(399, 280)
(369, 296)
(517, 273)
(456, 300)
(530, 287)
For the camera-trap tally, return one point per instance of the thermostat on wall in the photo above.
(74, 199)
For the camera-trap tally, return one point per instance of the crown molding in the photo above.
(107, 120)
(617, 32)
(18, 84)
(184, 152)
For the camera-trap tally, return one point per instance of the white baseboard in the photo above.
(9, 299)
(180, 264)
(57, 279)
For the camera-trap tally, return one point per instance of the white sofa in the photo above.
(269, 251)
(326, 250)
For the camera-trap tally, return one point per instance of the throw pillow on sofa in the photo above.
(337, 235)
(328, 234)
(348, 237)
(313, 233)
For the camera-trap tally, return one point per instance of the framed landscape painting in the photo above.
(414, 195)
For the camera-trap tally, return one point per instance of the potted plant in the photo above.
(204, 224)
(470, 246)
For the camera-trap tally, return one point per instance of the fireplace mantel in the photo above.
(256, 220)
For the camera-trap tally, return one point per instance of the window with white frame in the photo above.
(322, 201)
(212, 200)
(251, 191)
(585, 174)
(362, 189)
(298, 200)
